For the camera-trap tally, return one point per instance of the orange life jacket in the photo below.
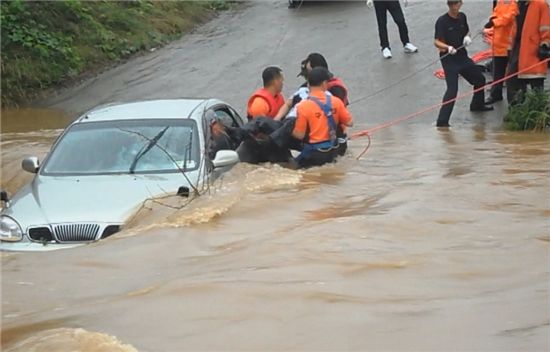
(275, 102)
(337, 82)
(536, 31)
(504, 16)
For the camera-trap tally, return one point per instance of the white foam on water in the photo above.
(70, 340)
(223, 194)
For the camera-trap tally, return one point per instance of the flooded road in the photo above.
(433, 241)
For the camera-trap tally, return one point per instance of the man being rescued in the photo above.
(318, 118)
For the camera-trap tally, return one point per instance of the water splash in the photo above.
(66, 339)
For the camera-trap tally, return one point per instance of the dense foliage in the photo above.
(47, 42)
(532, 114)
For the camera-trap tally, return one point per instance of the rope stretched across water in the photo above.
(368, 132)
(410, 75)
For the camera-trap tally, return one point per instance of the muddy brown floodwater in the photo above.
(433, 241)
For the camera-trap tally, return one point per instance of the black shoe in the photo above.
(442, 125)
(491, 100)
(481, 108)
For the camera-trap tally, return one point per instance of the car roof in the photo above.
(150, 109)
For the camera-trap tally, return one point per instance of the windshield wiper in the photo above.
(188, 150)
(152, 143)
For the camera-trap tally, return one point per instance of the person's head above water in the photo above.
(273, 79)
(310, 62)
(318, 78)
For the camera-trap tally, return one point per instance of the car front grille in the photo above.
(76, 232)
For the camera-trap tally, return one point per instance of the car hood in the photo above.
(107, 199)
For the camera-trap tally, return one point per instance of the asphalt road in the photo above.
(225, 57)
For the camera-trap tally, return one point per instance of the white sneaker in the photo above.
(386, 52)
(409, 48)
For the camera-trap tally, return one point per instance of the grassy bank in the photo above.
(532, 114)
(46, 43)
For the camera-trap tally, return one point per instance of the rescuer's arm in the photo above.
(467, 38)
(444, 48)
(284, 110)
(300, 126)
(299, 135)
(502, 19)
(343, 114)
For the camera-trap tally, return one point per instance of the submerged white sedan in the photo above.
(108, 162)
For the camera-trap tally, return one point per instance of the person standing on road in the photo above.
(502, 22)
(381, 8)
(266, 101)
(451, 38)
(317, 117)
(530, 46)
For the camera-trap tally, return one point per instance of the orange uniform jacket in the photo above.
(311, 118)
(536, 31)
(504, 16)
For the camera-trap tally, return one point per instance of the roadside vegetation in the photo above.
(47, 43)
(533, 114)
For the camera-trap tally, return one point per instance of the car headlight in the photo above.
(10, 230)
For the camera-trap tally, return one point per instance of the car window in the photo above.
(132, 146)
(220, 132)
(225, 117)
(236, 116)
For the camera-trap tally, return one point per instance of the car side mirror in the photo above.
(5, 198)
(30, 164)
(225, 158)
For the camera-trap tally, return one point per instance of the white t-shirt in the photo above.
(301, 94)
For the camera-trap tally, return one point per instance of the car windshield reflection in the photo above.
(123, 147)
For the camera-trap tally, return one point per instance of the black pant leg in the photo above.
(537, 83)
(317, 158)
(380, 8)
(473, 74)
(499, 71)
(451, 78)
(394, 7)
(515, 89)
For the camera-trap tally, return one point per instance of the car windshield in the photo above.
(132, 146)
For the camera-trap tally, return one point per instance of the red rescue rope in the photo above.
(481, 56)
(390, 123)
(477, 57)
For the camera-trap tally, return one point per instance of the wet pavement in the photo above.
(435, 240)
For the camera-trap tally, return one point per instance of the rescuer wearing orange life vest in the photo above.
(502, 22)
(267, 101)
(530, 46)
(317, 119)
